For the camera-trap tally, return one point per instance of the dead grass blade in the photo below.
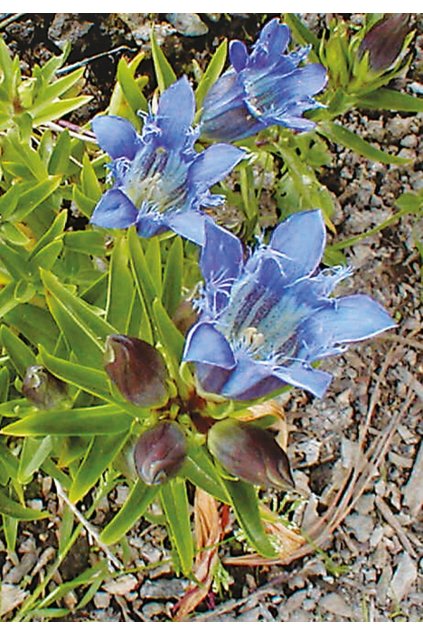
(211, 523)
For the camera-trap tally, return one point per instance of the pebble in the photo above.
(362, 526)
(122, 585)
(163, 589)
(152, 609)
(335, 604)
(413, 490)
(102, 600)
(404, 577)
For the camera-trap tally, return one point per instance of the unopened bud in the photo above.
(137, 369)
(251, 453)
(385, 40)
(43, 389)
(160, 452)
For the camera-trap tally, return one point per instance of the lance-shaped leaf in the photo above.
(137, 369)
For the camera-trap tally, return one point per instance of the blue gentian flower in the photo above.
(160, 182)
(264, 320)
(263, 88)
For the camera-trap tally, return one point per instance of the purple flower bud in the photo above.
(137, 369)
(43, 389)
(159, 453)
(251, 453)
(385, 40)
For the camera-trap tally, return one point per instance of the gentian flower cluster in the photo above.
(160, 182)
(265, 319)
(263, 88)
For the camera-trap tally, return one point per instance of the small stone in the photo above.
(152, 609)
(163, 589)
(122, 585)
(413, 490)
(335, 604)
(409, 141)
(404, 577)
(102, 600)
(361, 525)
(295, 601)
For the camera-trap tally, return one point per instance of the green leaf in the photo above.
(12, 508)
(99, 456)
(59, 160)
(33, 197)
(33, 454)
(121, 288)
(164, 72)
(153, 259)
(35, 324)
(129, 85)
(340, 135)
(84, 330)
(301, 33)
(90, 380)
(15, 262)
(89, 181)
(48, 255)
(245, 504)
(144, 282)
(20, 354)
(89, 242)
(8, 299)
(199, 469)
(56, 110)
(137, 502)
(212, 73)
(56, 89)
(55, 230)
(172, 283)
(386, 99)
(174, 500)
(87, 421)
(171, 338)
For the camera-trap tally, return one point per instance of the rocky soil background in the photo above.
(369, 569)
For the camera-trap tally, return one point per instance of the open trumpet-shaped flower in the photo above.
(263, 88)
(160, 182)
(266, 319)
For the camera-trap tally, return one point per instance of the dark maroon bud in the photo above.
(43, 389)
(385, 40)
(251, 453)
(160, 452)
(137, 369)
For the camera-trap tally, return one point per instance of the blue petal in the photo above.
(250, 379)
(305, 377)
(222, 256)
(214, 164)
(238, 54)
(188, 224)
(345, 320)
(272, 41)
(114, 211)
(149, 225)
(175, 113)
(301, 241)
(207, 345)
(303, 82)
(116, 136)
(211, 378)
(225, 116)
